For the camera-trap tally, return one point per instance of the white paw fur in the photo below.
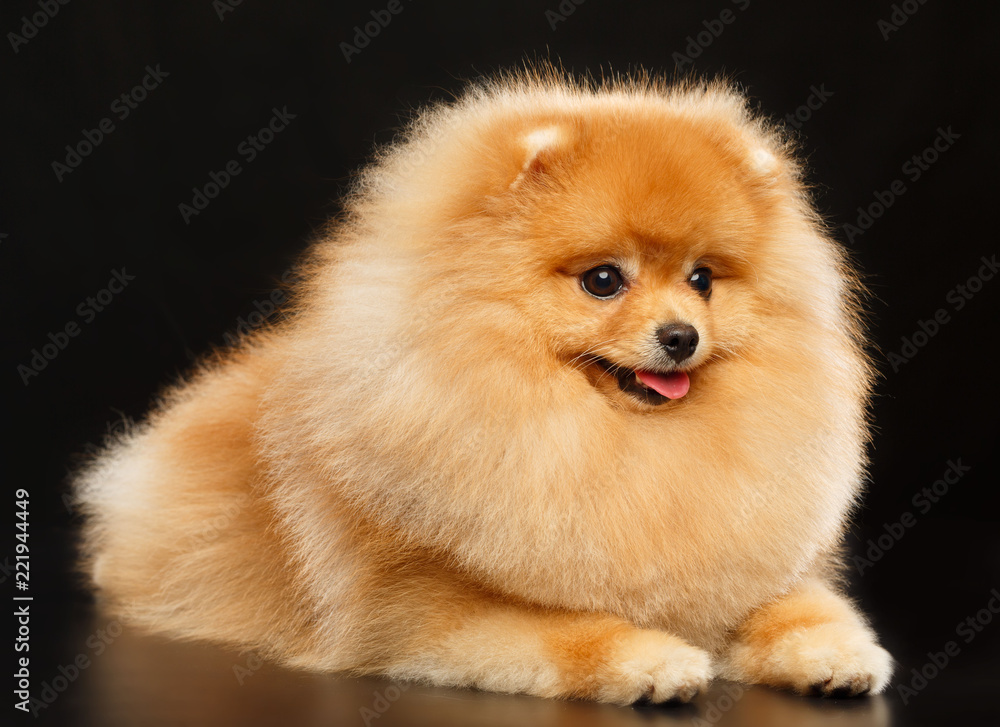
(831, 659)
(654, 666)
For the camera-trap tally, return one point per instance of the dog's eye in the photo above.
(701, 280)
(602, 282)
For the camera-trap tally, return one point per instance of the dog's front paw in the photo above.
(655, 666)
(832, 660)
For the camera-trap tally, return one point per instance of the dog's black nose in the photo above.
(679, 340)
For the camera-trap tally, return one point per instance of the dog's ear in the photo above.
(542, 150)
(767, 167)
(763, 162)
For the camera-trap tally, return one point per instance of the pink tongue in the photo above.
(672, 386)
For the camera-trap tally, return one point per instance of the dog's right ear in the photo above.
(767, 167)
(542, 150)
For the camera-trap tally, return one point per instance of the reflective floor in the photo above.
(135, 679)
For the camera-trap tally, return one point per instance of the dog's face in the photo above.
(642, 238)
(599, 330)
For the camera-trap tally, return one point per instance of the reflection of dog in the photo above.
(574, 406)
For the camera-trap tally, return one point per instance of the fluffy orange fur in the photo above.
(428, 468)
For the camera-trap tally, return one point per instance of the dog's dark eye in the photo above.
(701, 280)
(602, 282)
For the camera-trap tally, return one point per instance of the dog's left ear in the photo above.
(542, 148)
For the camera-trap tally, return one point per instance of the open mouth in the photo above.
(651, 387)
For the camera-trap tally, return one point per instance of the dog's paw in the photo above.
(655, 666)
(832, 660)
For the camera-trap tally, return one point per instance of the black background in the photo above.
(118, 210)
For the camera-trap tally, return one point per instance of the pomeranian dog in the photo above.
(571, 402)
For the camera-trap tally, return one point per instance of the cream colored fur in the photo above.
(419, 472)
